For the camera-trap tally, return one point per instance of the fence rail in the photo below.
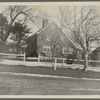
(88, 60)
(39, 58)
(9, 54)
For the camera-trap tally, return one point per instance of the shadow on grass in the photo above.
(49, 71)
(1, 60)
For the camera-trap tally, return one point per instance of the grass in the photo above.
(29, 85)
(49, 71)
(9, 57)
(26, 85)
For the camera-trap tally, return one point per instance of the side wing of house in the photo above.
(96, 54)
(31, 49)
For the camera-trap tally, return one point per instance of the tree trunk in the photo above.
(85, 61)
(2, 47)
(78, 55)
(18, 47)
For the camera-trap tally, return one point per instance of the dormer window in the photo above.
(62, 38)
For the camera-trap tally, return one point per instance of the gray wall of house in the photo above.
(31, 49)
(56, 43)
(58, 40)
(96, 55)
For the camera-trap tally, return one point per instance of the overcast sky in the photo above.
(51, 10)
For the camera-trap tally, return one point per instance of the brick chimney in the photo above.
(44, 22)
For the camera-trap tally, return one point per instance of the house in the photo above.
(50, 41)
(96, 54)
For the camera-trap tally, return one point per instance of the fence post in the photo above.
(38, 59)
(24, 58)
(55, 65)
(63, 63)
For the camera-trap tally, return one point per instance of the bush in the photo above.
(32, 54)
(69, 61)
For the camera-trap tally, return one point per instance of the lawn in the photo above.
(68, 72)
(12, 84)
(32, 85)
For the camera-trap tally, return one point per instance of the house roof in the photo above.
(71, 41)
(96, 49)
(39, 31)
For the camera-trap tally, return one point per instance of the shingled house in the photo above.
(49, 41)
(96, 54)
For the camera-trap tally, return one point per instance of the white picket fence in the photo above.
(39, 58)
(23, 56)
(55, 60)
(42, 57)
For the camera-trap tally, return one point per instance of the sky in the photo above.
(51, 10)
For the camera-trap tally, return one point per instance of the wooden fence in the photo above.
(39, 58)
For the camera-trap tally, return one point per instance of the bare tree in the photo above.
(20, 13)
(85, 29)
(23, 14)
(63, 12)
(3, 26)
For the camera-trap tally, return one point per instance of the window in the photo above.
(47, 49)
(62, 38)
(48, 37)
(71, 50)
(67, 50)
(98, 56)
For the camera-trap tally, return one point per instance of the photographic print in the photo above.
(50, 48)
